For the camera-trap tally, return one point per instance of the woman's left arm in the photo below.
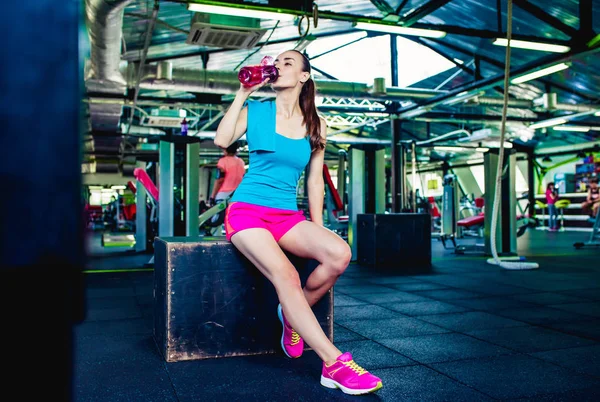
(315, 183)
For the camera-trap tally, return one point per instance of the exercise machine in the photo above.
(449, 219)
(206, 225)
(594, 240)
(336, 219)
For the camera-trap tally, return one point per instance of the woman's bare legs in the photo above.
(309, 240)
(595, 207)
(259, 246)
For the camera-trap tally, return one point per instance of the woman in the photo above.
(551, 198)
(592, 201)
(284, 136)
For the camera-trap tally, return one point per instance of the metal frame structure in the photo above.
(431, 109)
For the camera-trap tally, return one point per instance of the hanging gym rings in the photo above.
(315, 17)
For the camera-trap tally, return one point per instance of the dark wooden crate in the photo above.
(399, 241)
(211, 302)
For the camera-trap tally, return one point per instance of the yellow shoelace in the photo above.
(295, 338)
(359, 370)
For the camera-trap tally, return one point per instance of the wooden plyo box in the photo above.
(211, 302)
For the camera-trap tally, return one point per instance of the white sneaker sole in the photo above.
(329, 383)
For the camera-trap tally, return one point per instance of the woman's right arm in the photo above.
(235, 122)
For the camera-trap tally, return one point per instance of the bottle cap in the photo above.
(266, 61)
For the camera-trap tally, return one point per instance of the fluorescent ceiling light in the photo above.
(118, 187)
(496, 144)
(462, 97)
(482, 149)
(597, 114)
(539, 73)
(376, 114)
(522, 44)
(449, 148)
(415, 112)
(394, 29)
(240, 12)
(580, 129)
(548, 123)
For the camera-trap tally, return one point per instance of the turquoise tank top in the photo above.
(276, 162)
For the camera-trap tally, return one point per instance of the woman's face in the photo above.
(290, 66)
(593, 185)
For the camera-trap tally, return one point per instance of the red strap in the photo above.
(131, 186)
(336, 197)
(141, 175)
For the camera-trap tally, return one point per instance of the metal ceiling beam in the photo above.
(383, 6)
(586, 11)
(486, 33)
(400, 7)
(450, 29)
(422, 12)
(326, 52)
(445, 117)
(134, 54)
(324, 74)
(540, 14)
(500, 65)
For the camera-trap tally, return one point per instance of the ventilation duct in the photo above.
(226, 82)
(104, 20)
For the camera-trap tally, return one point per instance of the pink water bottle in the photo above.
(250, 76)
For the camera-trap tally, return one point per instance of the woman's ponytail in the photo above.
(311, 117)
(309, 110)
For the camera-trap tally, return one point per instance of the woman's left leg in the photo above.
(552, 216)
(595, 208)
(309, 240)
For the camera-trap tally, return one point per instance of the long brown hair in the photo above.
(309, 110)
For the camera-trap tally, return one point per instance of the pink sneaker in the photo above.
(348, 376)
(291, 343)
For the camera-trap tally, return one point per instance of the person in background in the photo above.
(231, 170)
(551, 198)
(592, 203)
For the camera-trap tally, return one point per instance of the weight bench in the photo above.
(211, 302)
(472, 223)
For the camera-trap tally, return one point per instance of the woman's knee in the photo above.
(340, 255)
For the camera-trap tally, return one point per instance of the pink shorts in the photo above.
(241, 215)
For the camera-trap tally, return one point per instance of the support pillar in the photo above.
(178, 186)
(356, 194)
(506, 229)
(398, 168)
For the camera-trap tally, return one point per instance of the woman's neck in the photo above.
(288, 103)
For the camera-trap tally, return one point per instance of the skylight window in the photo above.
(369, 58)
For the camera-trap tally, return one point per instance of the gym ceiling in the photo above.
(200, 77)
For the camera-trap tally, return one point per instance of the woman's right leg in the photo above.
(259, 246)
(552, 216)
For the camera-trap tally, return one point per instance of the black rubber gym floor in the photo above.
(467, 331)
